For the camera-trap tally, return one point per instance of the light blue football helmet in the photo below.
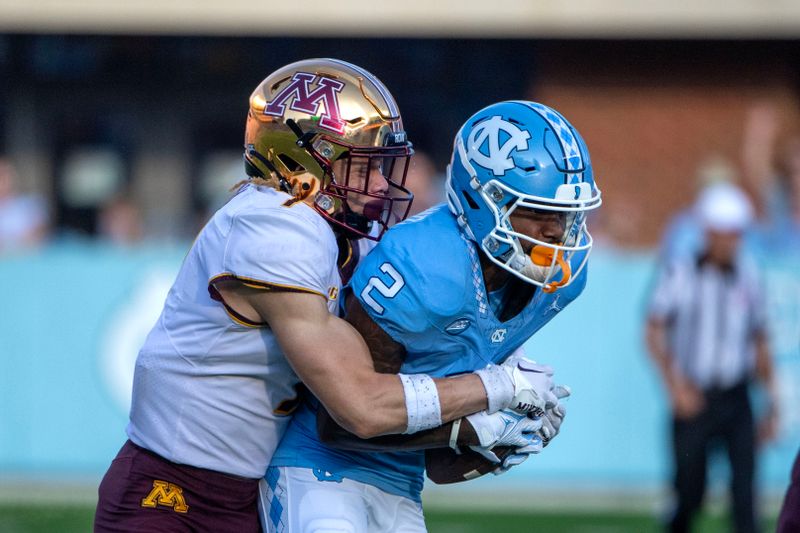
(516, 155)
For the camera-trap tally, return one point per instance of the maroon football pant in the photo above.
(144, 492)
(789, 519)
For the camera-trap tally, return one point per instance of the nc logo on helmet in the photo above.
(495, 157)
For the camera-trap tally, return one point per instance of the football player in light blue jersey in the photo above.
(461, 286)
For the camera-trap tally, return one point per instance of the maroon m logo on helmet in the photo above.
(308, 102)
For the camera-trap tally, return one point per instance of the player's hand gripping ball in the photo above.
(506, 439)
(533, 385)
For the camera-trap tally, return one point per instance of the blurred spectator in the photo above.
(89, 177)
(23, 218)
(120, 222)
(684, 233)
(772, 175)
(424, 182)
(706, 333)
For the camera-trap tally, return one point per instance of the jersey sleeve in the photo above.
(389, 288)
(756, 299)
(280, 247)
(664, 298)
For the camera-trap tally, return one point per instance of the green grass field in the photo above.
(78, 519)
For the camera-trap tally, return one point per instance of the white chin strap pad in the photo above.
(533, 271)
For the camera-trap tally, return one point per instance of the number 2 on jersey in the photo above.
(387, 291)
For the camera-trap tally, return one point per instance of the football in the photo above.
(444, 465)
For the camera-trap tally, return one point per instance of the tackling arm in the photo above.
(479, 429)
(453, 451)
(388, 356)
(331, 358)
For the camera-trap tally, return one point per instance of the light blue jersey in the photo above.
(424, 286)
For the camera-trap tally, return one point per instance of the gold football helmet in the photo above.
(331, 135)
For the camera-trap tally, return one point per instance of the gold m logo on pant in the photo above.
(166, 494)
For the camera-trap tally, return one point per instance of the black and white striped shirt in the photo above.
(712, 317)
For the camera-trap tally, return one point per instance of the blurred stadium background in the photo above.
(124, 123)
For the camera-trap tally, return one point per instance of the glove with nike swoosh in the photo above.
(533, 385)
(506, 428)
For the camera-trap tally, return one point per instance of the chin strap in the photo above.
(356, 221)
(543, 256)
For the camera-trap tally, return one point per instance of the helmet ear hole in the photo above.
(290, 164)
(470, 200)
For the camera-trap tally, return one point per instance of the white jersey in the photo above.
(210, 389)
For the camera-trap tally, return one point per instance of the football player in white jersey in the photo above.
(252, 314)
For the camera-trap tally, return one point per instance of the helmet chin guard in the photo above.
(523, 155)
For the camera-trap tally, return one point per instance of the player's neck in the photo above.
(517, 295)
(494, 277)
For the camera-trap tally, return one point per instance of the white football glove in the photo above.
(554, 416)
(512, 460)
(551, 425)
(533, 385)
(506, 428)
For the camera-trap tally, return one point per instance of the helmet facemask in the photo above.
(364, 187)
(545, 264)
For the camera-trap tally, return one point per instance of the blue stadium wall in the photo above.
(75, 314)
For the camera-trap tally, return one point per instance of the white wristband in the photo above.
(498, 385)
(422, 402)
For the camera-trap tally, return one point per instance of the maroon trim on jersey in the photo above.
(255, 284)
(238, 317)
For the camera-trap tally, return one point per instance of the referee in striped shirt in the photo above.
(706, 334)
